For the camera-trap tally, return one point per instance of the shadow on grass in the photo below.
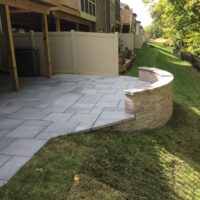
(161, 49)
(128, 163)
(184, 139)
(154, 164)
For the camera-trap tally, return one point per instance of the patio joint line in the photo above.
(14, 139)
(73, 104)
(119, 104)
(20, 155)
(11, 156)
(41, 130)
(97, 118)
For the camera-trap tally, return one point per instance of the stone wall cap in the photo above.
(157, 71)
(164, 79)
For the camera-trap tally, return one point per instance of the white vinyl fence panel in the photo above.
(76, 52)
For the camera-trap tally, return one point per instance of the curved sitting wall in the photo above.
(153, 105)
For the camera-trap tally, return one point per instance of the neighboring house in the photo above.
(117, 15)
(128, 19)
(88, 12)
(101, 15)
(131, 26)
(142, 32)
(107, 15)
(79, 15)
(64, 15)
(134, 22)
(139, 35)
(113, 14)
(137, 31)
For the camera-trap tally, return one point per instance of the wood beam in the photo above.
(26, 5)
(46, 45)
(57, 21)
(70, 18)
(19, 11)
(52, 2)
(11, 51)
(66, 10)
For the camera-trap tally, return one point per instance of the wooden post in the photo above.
(57, 21)
(90, 28)
(46, 45)
(11, 50)
(77, 26)
(121, 28)
(130, 27)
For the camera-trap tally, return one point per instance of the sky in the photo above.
(141, 11)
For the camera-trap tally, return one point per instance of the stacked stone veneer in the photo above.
(152, 106)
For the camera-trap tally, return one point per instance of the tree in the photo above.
(153, 30)
(179, 21)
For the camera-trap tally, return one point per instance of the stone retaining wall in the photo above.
(152, 106)
(194, 60)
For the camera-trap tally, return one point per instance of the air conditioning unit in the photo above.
(28, 61)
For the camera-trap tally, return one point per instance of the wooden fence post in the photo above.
(46, 45)
(11, 50)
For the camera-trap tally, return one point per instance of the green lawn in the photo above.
(153, 165)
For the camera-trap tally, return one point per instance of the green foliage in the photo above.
(154, 30)
(193, 43)
(18, 30)
(124, 52)
(178, 20)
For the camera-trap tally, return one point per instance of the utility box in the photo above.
(28, 61)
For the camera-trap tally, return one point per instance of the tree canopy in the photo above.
(179, 21)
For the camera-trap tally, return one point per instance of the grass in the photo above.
(154, 164)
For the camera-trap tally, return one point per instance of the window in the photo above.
(88, 6)
(94, 11)
(117, 10)
(82, 5)
(90, 12)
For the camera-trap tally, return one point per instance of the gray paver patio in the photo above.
(5, 141)
(4, 159)
(45, 108)
(23, 147)
(11, 167)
